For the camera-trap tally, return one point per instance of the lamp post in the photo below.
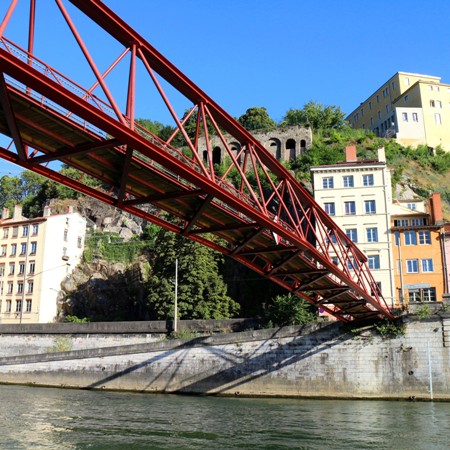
(175, 315)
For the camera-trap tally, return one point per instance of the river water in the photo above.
(46, 418)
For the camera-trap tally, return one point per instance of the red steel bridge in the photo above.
(252, 210)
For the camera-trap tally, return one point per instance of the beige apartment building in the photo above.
(357, 195)
(412, 108)
(35, 256)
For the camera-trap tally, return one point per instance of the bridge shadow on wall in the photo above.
(266, 358)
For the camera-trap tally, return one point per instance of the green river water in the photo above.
(46, 418)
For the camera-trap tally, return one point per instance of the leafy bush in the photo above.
(290, 310)
(424, 312)
(389, 329)
(75, 319)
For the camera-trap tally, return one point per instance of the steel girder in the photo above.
(253, 210)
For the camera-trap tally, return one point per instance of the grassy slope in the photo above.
(421, 170)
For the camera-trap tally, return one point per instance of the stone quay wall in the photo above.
(325, 360)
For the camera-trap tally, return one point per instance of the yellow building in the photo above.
(412, 108)
(416, 242)
(35, 256)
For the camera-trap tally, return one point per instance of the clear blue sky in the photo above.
(273, 53)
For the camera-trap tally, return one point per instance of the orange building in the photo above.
(417, 247)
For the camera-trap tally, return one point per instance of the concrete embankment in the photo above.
(323, 360)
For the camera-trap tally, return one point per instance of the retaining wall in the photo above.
(324, 360)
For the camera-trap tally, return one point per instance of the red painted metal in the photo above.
(267, 221)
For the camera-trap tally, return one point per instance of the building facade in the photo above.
(358, 197)
(412, 108)
(417, 241)
(35, 256)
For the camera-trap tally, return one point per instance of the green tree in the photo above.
(316, 116)
(201, 290)
(257, 119)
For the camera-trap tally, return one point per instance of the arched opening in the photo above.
(217, 155)
(235, 149)
(275, 148)
(302, 146)
(290, 148)
(205, 156)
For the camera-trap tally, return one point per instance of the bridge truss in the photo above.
(251, 209)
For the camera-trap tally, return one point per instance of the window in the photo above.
(330, 209)
(20, 287)
(438, 104)
(371, 121)
(379, 115)
(424, 237)
(429, 294)
(66, 232)
(437, 119)
(405, 117)
(8, 306)
(370, 105)
(412, 206)
(401, 222)
(349, 208)
(328, 183)
(5, 232)
(352, 234)
(412, 266)
(79, 242)
(370, 207)
(406, 81)
(427, 265)
(2, 270)
(373, 261)
(418, 222)
(415, 117)
(335, 260)
(372, 234)
(30, 286)
(33, 248)
(11, 268)
(351, 263)
(405, 98)
(18, 306)
(422, 295)
(15, 232)
(25, 231)
(378, 99)
(10, 287)
(385, 92)
(21, 268)
(387, 109)
(376, 289)
(348, 181)
(32, 267)
(13, 249)
(3, 253)
(35, 229)
(410, 238)
(362, 112)
(28, 306)
(432, 103)
(23, 248)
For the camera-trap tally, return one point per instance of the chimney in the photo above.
(5, 213)
(381, 154)
(69, 209)
(17, 214)
(436, 209)
(350, 153)
(47, 211)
